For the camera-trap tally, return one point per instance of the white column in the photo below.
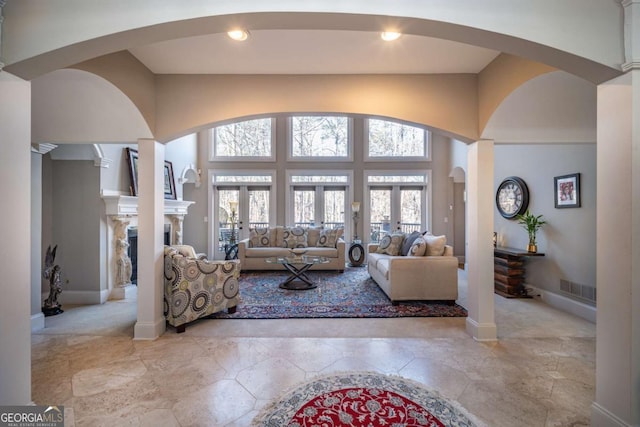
(15, 252)
(618, 253)
(481, 319)
(151, 323)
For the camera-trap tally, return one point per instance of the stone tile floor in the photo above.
(541, 371)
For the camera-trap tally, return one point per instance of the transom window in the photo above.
(388, 140)
(320, 136)
(242, 141)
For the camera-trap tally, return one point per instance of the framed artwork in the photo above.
(169, 181)
(567, 191)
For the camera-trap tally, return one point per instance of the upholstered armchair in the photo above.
(196, 287)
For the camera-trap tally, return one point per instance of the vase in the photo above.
(532, 248)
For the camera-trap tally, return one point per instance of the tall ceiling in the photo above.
(312, 52)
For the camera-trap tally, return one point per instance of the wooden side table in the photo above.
(509, 271)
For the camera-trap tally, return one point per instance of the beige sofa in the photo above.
(415, 278)
(278, 242)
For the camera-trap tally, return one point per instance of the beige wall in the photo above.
(189, 102)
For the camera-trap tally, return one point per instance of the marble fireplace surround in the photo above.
(122, 214)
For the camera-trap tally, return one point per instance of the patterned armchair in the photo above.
(195, 287)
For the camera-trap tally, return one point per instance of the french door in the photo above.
(319, 205)
(238, 208)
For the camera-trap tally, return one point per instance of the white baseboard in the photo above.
(37, 322)
(600, 417)
(568, 305)
(81, 297)
(482, 331)
(149, 330)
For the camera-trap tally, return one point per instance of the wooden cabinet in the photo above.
(509, 271)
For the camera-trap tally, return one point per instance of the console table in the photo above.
(509, 271)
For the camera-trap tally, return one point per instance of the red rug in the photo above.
(363, 406)
(363, 399)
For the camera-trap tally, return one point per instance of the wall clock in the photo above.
(512, 197)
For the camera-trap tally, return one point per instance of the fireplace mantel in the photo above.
(121, 205)
(123, 213)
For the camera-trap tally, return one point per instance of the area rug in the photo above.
(363, 399)
(349, 294)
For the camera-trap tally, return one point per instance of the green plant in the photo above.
(532, 224)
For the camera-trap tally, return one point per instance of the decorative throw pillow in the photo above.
(435, 244)
(408, 241)
(259, 237)
(391, 244)
(418, 247)
(295, 237)
(329, 237)
(185, 250)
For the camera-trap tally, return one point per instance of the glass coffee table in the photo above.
(297, 266)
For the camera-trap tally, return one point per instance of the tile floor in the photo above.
(541, 372)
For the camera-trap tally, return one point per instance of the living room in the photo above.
(615, 166)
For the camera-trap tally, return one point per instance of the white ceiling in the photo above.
(312, 52)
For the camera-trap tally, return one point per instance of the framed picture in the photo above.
(567, 191)
(169, 182)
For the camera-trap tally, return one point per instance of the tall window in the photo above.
(247, 140)
(254, 195)
(389, 140)
(396, 202)
(317, 199)
(319, 136)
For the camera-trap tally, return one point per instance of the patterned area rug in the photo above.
(349, 294)
(365, 399)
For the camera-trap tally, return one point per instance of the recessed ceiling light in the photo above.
(390, 35)
(238, 35)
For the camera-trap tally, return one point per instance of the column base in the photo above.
(123, 292)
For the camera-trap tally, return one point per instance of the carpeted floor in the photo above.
(363, 399)
(349, 294)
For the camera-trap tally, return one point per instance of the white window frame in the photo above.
(213, 200)
(427, 214)
(292, 158)
(212, 144)
(333, 172)
(427, 142)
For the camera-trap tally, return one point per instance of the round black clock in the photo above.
(512, 197)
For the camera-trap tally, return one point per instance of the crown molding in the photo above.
(42, 148)
(101, 162)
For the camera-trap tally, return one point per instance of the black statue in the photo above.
(51, 272)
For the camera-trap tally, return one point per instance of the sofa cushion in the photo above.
(266, 252)
(260, 237)
(435, 244)
(329, 237)
(418, 247)
(313, 234)
(294, 237)
(391, 244)
(408, 241)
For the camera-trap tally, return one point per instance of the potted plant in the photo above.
(532, 224)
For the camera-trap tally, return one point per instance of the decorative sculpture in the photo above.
(51, 272)
(123, 262)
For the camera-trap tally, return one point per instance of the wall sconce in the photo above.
(355, 208)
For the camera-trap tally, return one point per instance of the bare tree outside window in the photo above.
(318, 136)
(251, 138)
(391, 139)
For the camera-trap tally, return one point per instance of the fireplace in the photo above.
(122, 232)
(133, 249)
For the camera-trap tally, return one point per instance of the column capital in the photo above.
(631, 10)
